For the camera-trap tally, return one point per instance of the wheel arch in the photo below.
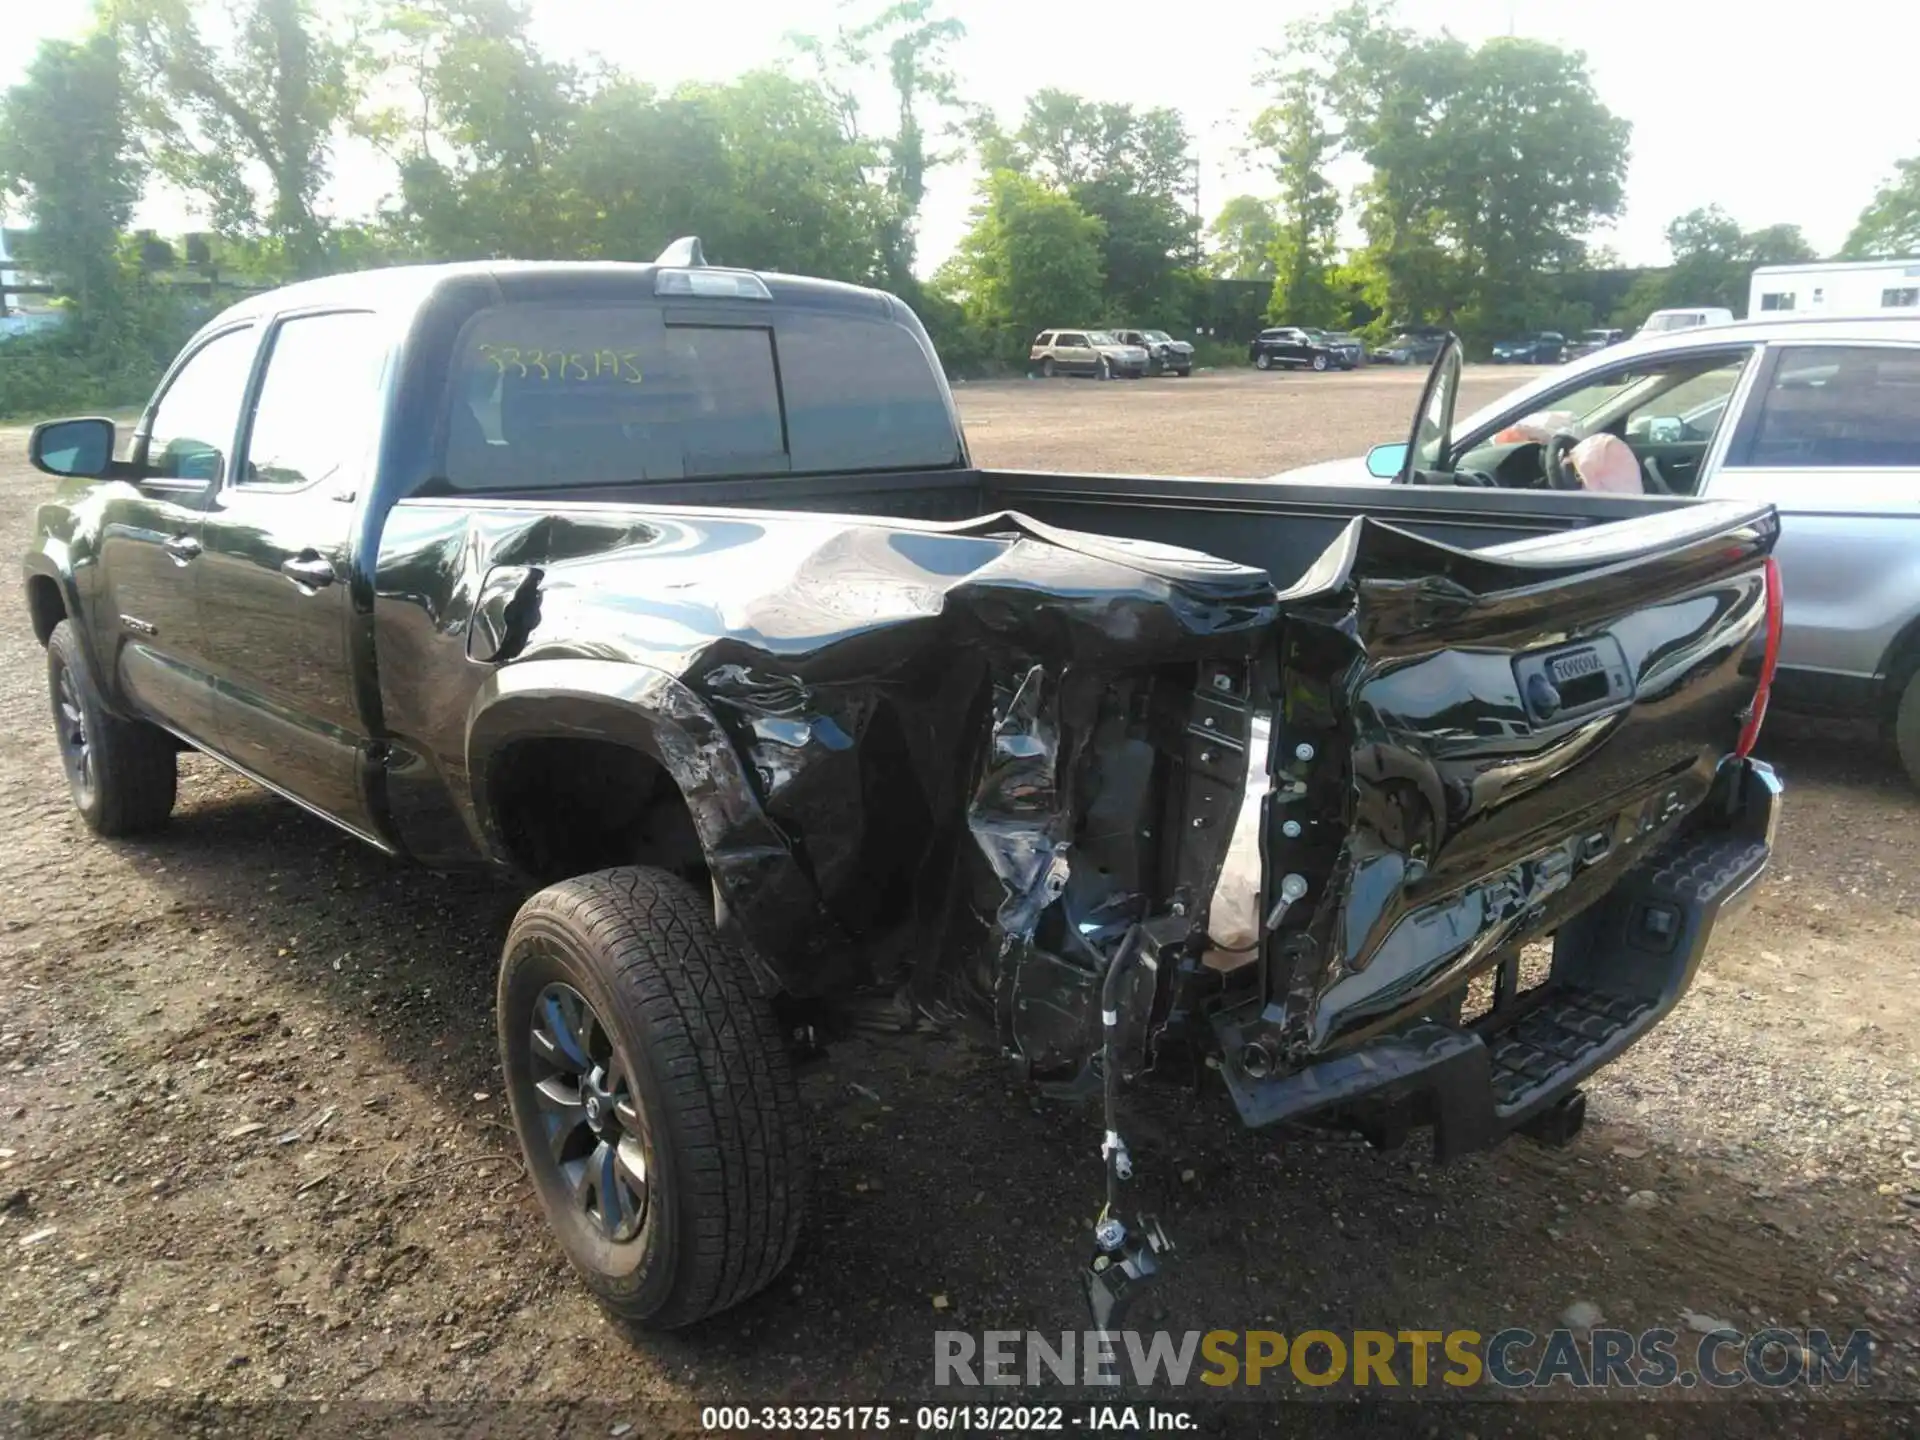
(46, 604)
(639, 709)
(1899, 665)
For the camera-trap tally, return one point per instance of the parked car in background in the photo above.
(1820, 418)
(1086, 352)
(1411, 347)
(1165, 355)
(1286, 346)
(1352, 353)
(1664, 322)
(1591, 342)
(1549, 347)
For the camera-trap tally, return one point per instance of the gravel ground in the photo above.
(253, 1145)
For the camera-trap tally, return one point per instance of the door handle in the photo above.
(309, 570)
(180, 548)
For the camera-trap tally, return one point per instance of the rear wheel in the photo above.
(1906, 728)
(1046, 368)
(652, 1094)
(122, 773)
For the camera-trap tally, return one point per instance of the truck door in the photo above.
(276, 574)
(148, 629)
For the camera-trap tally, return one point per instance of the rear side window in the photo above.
(553, 395)
(1847, 406)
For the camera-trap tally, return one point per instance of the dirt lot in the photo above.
(253, 1145)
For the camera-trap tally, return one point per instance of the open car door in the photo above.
(1426, 449)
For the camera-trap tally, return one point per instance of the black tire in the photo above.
(688, 1038)
(1047, 368)
(1102, 369)
(1906, 728)
(1319, 362)
(1263, 361)
(1184, 373)
(122, 774)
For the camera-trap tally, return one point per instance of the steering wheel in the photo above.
(1553, 459)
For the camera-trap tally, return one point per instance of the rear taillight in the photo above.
(1757, 711)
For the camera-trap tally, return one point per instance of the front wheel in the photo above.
(1263, 361)
(123, 774)
(1320, 362)
(1906, 728)
(652, 1094)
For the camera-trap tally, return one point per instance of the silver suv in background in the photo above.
(1085, 352)
(1821, 418)
(1165, 355)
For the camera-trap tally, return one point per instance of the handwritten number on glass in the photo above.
(563, 366)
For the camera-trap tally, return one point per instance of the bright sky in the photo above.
(1777, 123)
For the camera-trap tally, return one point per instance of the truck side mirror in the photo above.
(72, 448)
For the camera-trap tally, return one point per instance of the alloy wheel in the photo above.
(596, 1128)
(76, 748)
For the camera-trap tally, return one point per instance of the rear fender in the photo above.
(764, 895)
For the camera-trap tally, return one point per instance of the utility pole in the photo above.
(1198, 231)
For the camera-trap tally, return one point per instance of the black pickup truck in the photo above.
(673, 588)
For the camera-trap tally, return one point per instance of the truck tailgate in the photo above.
(1472, 746)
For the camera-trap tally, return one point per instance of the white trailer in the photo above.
(1843, 289)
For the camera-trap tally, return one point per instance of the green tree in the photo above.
(1889, 228)
(1489, 166)
(1709, 260)
(798, 197)
(1713, 262)
(67, 153)
(1243, 234)
(914, 43)
(274, 94)
(486, 121)
(1132, 170)
(1294, 136)
(1778, 245)
(1031, 259)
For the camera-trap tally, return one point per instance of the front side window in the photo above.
(1073, 341)
(1777, 300)
(1661, 407)
(318, 407)
(194, 421)
(1839, 406)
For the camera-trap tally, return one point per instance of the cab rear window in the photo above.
(547, 395)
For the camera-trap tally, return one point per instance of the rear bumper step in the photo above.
(1617, 970)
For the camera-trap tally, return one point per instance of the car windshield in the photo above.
(1100, 337)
